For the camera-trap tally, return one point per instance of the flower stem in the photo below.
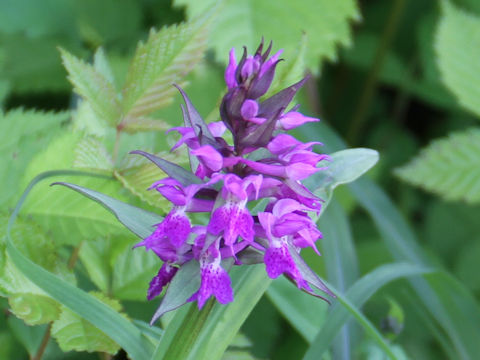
(44, 343)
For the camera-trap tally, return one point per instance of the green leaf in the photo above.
(457, 44)
(457, 322)
(94, 255)
(74, 333)
(133, 269)
(137, 220)
(166, 57)
(23, 133)
(93, 87)
(183, 285)
(353, 299)
(326, 24)
(449, 167)
(34, 308)
(210, 337)
(26, 300)
(344, 167)
(143, 123)
(306, 313)
(138, 178)
(91, 154)
(88, 307)
(173, 170)
(341, 264)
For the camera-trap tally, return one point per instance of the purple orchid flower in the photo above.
(262, 162)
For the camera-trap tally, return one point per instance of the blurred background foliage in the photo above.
(400, 76)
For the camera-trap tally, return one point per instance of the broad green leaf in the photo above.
(356, 296)
(93, 87)
(173, 170)
(140, 175)
(91, 154)
(74, 333)
(403, 246)
(137, 220)
(23, 133)
(85, 121)
(88, 307)
(341, 265)
(68, 217)
(211, 336)
(34, 308)
(306, 313)
(133, 269)
(449, 167)
(26, 300)
(239, 23)
(94, 255)
(457, 43)
(344, 167)
(183, 285)
(166, 57)
(143, 123)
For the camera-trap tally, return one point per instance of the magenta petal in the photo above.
(172, 194)
(234, 221)
(294, 119)
(300, 171)
(216, 282)
(165, 274)
(249, 109)
(269, 63)
(217, 128)
(281, 143)
(285, 206)
(176, 227)
(278, 261)
(209, 156)
(230, 71)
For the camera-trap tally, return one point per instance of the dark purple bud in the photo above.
(261, 84)
(280, 99)
(196, 122)
(240, 66)
(267, 52)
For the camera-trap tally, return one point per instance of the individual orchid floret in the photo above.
(164, 276)
(214, 279)
(278, 259)
(232, 219)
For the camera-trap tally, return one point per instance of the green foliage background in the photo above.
(401, 245)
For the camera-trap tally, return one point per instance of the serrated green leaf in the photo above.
(68, 217)
(449, 167)
(93, 87)
(27, 301)
(94, 255)
(133, 269)
(133, 125)
(91, 154)
(138, 178)
(34, 309)
(75, 333)
(326, 24)
(457, 45)
(137, 220)
(88, 307)
(166, 57)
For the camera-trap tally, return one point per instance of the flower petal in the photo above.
(165, 274)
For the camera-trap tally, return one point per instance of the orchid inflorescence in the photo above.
(263, 168)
